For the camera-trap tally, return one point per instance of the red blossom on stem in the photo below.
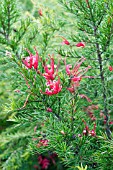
(32, 60)
(54, 87)
(49, 109)
(110, 68)
(80, 44)
(87, 131)
(50, 73)
(40, 12)
(111, 123)
(43, 162)
(93, 132)
(65, 41)
(76, 75)
(42, 142)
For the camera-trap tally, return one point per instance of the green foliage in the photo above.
(26, 121)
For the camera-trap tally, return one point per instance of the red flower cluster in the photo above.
(54, 87)
(50, 73)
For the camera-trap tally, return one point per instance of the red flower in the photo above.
(80, 44)
(42, 142)
(71, 89)
(40, 12)
(111, 123)
(110, 68)
(43, 162)
(54, 87)
(92, 132)
(66, 42)
(49, 109)
(87, 131)
(31, 61)
(76, 75)
(49, 73)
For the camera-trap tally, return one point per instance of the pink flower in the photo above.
(74, 72)
(66, 42)
(40, 12)
(76, 75)
(54, 87)
(40, 159)
(42, 142)
(71, 89)
(92, 132)
(49, 109)
(31, 61)
(110, 68)
(68, 69)
(87, 131)
(49, 73)
(43, 162)
(80, 44)
(111, 123)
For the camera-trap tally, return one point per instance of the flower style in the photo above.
(49, 73)
(54, 87)
(80, 44)
(31, 60)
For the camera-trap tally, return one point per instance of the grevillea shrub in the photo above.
(61, 70)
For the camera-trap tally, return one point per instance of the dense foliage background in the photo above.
(71, 129)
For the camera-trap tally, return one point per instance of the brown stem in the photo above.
(108, 132)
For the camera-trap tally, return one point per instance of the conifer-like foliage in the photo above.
(58, 67)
